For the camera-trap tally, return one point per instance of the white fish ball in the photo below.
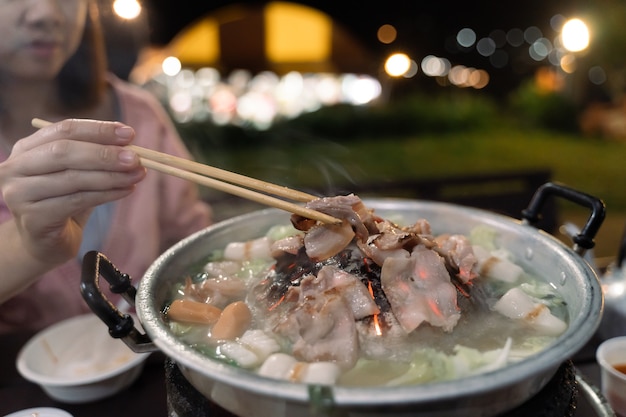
(324, 373)
(278, 365)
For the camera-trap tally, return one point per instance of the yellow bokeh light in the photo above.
(568, 63)
(547, 80)
(397, 64)
(459, 75)
(387, 34)
(479, 79)
(575, 35)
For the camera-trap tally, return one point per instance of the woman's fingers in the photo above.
(72, 154)
(59, 210)
(68, 157)
(31, 189)
(94, 131)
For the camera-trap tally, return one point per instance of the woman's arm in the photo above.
(18, 266)
(50, 183)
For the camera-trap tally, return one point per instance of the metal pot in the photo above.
(247, 395)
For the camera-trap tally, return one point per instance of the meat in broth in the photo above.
(367, 302)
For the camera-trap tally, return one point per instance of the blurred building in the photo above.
(276, 36)
(250, 64)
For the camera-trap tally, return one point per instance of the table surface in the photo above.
(147, 396)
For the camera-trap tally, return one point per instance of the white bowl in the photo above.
(77, 361)
(40, 412)
(610, 354)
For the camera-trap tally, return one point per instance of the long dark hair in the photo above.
(82, 81)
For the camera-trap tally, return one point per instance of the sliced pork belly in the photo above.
(325, 241)
(289, 244)
(347, 285)
(371, 250)
(457, 249)
(420, 227)
(322, 329)
(419, 290)
(349, 208)
(391, 241)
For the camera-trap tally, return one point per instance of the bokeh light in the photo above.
(540, 49)
(515, 37)
(259, 100)
(575, 35)
(397, 64)
(171, 66)
(412, 71)
(486, 46)
(466, 37)
(478, 79)
(568, 63)
(257, 108)
(462, 76)
(597, 75)
(387, 34)
(499, 37)
(556, 22)
(532, 34)
(127, 9)
(360, 89)
(459, 75)
(434, 66)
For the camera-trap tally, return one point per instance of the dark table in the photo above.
(147, 395)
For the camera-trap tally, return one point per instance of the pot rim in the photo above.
(544, 363)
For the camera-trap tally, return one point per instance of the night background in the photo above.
(424, 27)
(544, 111)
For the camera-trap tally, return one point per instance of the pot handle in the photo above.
(121, 326)
(583, 240)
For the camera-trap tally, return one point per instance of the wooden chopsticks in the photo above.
(191, 170)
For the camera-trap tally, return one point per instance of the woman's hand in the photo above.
(54, 178)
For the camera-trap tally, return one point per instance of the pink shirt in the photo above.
(162, 210)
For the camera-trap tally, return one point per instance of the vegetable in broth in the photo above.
(365, 303)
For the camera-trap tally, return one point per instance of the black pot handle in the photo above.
(583, 240)
(121, 326)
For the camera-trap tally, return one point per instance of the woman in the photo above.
(52, 67)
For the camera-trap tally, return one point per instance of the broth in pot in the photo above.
(370, 302)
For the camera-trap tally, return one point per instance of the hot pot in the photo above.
(249, 395)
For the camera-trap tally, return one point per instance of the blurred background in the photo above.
(473, 102)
